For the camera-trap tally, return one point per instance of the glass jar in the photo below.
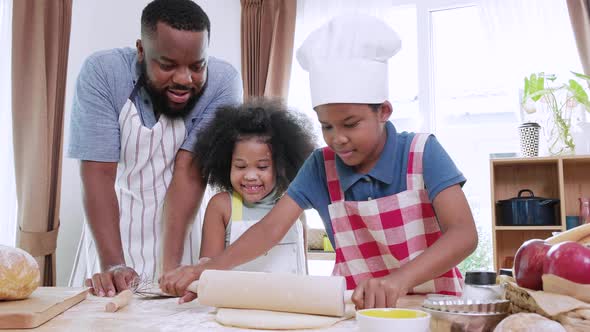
(584, 210)
(481, 286)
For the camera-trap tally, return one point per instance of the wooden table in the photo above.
(160, 315)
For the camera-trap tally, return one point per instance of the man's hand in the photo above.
(379, 292)
(116, 279)
(181, 204)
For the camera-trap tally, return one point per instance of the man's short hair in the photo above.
(179, 14)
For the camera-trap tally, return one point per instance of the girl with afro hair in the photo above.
(251, 153)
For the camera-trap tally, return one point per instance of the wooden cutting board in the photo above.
(44, 304)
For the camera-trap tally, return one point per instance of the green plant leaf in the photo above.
(578, 93)
(538, 94)
(582, 76)
(532, 85)
(550, 77)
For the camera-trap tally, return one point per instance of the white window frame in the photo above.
(426, 93)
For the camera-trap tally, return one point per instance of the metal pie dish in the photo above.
(461, 306)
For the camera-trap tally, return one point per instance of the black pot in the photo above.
(527, 210)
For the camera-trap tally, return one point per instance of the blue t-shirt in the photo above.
(105, 83)
(388, 176)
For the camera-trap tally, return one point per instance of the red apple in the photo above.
(569, 260)
(528, 264)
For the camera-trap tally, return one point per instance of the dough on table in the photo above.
(19, 274)
(275, 320)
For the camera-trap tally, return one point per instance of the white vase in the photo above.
(581, 136)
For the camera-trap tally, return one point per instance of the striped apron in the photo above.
(375, 237)
(288, 256)
(144, 173)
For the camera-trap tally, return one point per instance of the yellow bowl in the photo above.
(388, 319)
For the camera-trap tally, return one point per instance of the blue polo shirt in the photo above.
(388, 176)
(104, 84)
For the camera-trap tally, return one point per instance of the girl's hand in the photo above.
(379, 292)
(176, 281)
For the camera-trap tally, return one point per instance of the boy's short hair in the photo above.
(375, 107)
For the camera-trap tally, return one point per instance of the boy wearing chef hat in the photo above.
(375, 189)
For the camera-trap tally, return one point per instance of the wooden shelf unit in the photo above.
(529, 228)
(564, 177)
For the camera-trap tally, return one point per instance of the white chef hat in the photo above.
(347, 60)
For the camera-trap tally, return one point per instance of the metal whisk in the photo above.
(146, 288)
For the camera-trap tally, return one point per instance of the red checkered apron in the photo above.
(377, 236)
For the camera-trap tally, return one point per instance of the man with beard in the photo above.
(134, 121)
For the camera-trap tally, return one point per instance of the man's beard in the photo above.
(161, 103)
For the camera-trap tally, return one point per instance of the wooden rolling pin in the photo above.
(304, 294)
(122, 299)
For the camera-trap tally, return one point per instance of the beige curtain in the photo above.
(268, 29)
(40, 43)
(579, 11)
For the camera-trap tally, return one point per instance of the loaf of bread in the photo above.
(528, 322)
(19, 274)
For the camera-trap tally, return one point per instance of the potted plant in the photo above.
(560, 101)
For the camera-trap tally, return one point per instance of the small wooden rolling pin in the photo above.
(122, 299)
(272, 291)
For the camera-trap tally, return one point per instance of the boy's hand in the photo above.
(379, 292)
(176, 281)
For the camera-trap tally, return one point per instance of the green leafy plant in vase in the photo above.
(559, 100)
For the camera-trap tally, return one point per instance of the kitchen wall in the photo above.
(98, 25)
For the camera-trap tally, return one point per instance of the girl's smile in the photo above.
(252, 172)
(250, 189)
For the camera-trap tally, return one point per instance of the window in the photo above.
(8, 192)
(458, 76)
